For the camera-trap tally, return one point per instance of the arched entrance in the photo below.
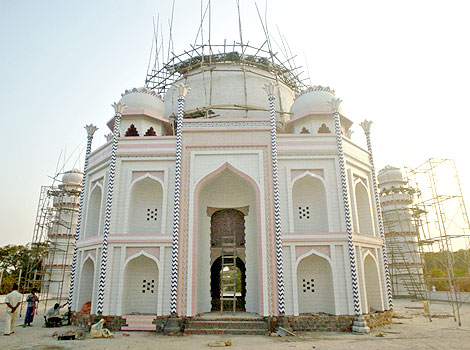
(227, 251)
(233, 198)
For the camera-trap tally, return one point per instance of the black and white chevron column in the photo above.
(118, 108)
(182, 91)
(366, 124)
(334, 103)
(277, 203)
(90, 132)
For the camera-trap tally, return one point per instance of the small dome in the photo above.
(144, 99)
(72, 177)
(390, 174)
(314, 100)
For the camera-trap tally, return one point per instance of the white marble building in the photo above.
(227, 184)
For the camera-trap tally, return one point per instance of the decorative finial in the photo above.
(365, 125)
(109, 137)
(90, 129)
(118, 107)
(334, 103)
(269, 88)
(182, 89)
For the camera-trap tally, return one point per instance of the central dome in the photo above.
(229, 91)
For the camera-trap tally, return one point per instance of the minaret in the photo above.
(61, 234)
(401, 236)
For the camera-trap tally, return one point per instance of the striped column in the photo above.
(90, 132)
(118, 109)
(182, 90)
(366, 124)
(269, 88)
(334, 104)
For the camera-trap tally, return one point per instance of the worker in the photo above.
(52, 318)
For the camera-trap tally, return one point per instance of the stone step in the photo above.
(228, 324)
(139, 323)
(226, 331)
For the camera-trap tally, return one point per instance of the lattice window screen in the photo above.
(304, 212)
(152, 214)
(148, 286)
(308, 286)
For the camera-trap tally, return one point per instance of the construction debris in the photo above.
(70, 335)
(220, 343)
(98, 331)
(282, 332)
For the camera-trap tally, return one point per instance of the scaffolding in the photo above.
(54, 234)
(440, 215)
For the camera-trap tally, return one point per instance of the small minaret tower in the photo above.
(61, 234)
(401, 235)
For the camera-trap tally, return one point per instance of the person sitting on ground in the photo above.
(32, 300)
(52, 318)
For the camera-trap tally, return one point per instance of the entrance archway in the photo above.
(227, 193)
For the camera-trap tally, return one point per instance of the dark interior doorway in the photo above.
(228, 225)
(215, 284)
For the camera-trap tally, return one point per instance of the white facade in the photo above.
(226, 165)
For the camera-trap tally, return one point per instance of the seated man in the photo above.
(52, 318)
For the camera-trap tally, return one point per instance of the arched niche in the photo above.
(87, 278)
(145, 206)
(372, 285)
(93, 217)
(364, 210)
(140, 285)
(309, 204)
(315, 286)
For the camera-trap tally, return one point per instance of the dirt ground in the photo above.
(410, 330)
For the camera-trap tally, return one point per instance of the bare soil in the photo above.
(411, 329)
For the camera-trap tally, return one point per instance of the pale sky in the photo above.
(403, 64)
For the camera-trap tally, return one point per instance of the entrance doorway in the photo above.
(228, 245)
(216, 269)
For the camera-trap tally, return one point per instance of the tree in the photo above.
(16, 258)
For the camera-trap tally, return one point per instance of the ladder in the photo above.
(228, 273)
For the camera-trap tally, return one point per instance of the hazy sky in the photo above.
(403, 64)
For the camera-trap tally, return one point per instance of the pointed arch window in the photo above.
(150, 132)
(132, 131)
(324, 129)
